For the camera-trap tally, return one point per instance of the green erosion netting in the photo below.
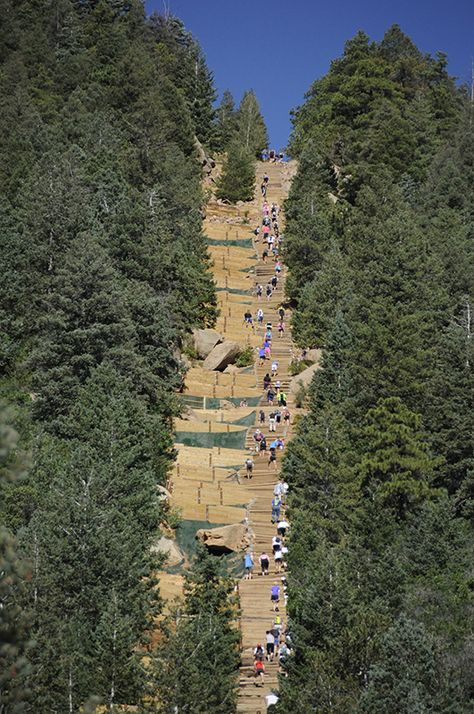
(215, 402)
(206, 440)
(186, 539)
(248, 270)
(245, 420)
(242, 243)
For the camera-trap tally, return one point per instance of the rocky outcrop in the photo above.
(303, 379)
(225, 539)
(170, 549)
(221, 356)
(204, 341)
(313, 355)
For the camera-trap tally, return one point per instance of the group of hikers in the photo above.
(277, 643)
(270, 230)
(273, 156)
(277, 638)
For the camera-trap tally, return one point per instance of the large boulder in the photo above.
(169, 548)
(303, 379)
(313, 355)
(225, 539)
(221, 356)
(204, 341)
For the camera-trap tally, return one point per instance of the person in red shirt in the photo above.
(259, 669)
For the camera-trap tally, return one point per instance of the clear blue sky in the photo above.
(278, 47)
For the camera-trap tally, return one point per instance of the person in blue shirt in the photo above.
(248, 564)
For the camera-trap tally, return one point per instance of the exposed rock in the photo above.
(313, 355)
(205, 341)
(163, 493)
(332, 198)
(231, 369)
(221, 356)
(225, 539)
(303, 378)
(225, 404)
(190, 415)
(169, 548)
(185, 360)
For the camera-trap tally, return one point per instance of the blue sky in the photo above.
(279, 47)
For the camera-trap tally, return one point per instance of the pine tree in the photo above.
(14, 625)
(397, 467)
(195, 664)
(237, 181)
(251, 129)
(226, 122)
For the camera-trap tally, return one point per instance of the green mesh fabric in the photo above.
(215, 402)
(245, 420)
(206, 440)
(239, 243)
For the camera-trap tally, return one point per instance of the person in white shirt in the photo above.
(282, 527)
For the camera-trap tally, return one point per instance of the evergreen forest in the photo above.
(380, 228)
(105, 115)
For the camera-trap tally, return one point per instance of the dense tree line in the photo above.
(242, 134)
(379, 243)
(104, 268)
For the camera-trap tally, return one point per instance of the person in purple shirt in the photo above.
(275, 597)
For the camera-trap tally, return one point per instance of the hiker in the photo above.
(259, 316)
(276, 544)
(263, 446)
(261, 355)
(278, 267)
(274, 368)
(283, 654)
(248, 564)
(259, 291)
(277, 385)
(281, 312)
(286, 415)
(256, 232)
(267, 380)
(262, 417)
(263, 189)
(259, 670)
(259, 652)
(267, 348)
(276, 505)
(278, 412)
(274, 282)
(271, 421)
(257, 437)
(282, 527)
(282, 399)
(272, 458)
(270, 397)
(281, 328)
(248, 319)
(278, 557)
(269, 290)
(264, 255)
(279, 488)
(243, 403)
(264, 154)
(270, 640)
(275, 598)
(249, 468)
(264, 563)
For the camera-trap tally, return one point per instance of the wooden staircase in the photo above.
(200, 482)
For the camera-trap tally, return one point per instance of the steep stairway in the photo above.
(208, 482)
